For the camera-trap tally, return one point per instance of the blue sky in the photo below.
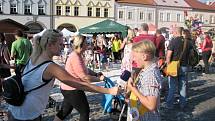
(206, 0)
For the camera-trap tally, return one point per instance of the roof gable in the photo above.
(99, 4)
(77, 3)
(69, 2)
(59, 2)
(42, 2)
(107, 5)
(90, 4)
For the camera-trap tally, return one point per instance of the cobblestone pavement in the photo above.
(201, 106)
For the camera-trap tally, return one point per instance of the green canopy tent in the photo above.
(105, 27)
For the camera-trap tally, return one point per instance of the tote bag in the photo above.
(173, 68)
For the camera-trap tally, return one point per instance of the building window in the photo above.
(97, 12)
(168, 17)
(89, 12)
(41, 10)
(58, 10)
(27, 9)
(76, 11)
(106, 12)
(120, 14)
(130, 15)
(13, 9)
(150, 17)
(1, 9)
(67, 10)
(142, 16)
(212, 19)
(178, 17)
(161, 17)
(201, 18)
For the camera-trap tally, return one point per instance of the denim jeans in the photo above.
(182, 87)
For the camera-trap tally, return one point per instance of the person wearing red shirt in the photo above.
(143, 35)
(160, 44)
(206, 47)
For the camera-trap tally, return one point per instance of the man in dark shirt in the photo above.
(160, 44)
(176, 52)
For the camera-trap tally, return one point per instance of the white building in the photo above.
(133, 12)
(76, 14)
(163, 13)
(33, 13)
(203, 12)
(170, 13)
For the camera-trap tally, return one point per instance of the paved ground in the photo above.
(201, 106)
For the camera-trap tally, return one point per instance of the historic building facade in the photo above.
(70, 14)
(75, 14)
(205, 13)
(163, 13)
(33, 13)
(134, 13)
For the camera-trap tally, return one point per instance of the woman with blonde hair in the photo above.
(127, 45)
(46, 46)
(72, 96)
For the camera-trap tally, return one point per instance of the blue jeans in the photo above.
(182, 87)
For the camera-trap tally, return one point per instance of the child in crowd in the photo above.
(103, 57)
(144, 100)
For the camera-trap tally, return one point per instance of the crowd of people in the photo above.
(138, 53)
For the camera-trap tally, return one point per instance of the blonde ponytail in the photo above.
(40, 42)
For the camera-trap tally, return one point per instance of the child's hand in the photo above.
(130, 84)
(127, 95)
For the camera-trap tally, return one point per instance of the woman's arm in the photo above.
(123, 44)
(168, 56)
(61, 74)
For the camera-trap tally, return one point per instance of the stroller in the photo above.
(114, 105)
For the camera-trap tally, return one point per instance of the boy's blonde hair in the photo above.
(145, 46)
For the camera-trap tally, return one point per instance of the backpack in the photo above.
(4, 72)
(13, 88)
(193, 58)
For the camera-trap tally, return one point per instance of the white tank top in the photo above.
(36, 101)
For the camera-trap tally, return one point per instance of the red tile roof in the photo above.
(143, 2)
(199, 5)
(212, 4)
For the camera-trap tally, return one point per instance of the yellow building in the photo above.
(76, 14)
